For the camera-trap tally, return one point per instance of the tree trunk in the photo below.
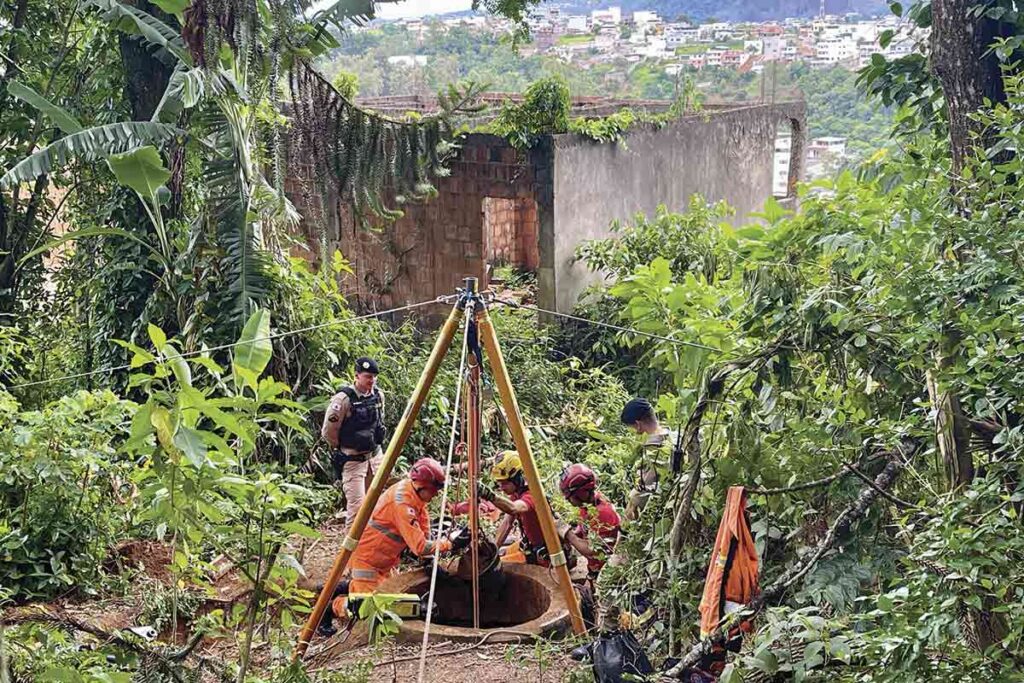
(146, 79)
(145, 76)
(968, 71)
(970, 74)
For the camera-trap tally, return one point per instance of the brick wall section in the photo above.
(437, 243)
(511, 232)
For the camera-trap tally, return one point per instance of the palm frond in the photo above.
(91, 144)
(170, 48)
(231, 208)
(185, 89)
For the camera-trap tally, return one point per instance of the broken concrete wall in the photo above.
(721, 155)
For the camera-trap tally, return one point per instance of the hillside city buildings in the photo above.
(680, 46)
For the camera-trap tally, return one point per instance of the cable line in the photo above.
(610, 326)
(271, 337)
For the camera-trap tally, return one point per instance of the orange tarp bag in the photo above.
(514, 554)
(732, 575)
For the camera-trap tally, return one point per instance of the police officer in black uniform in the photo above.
(354, 428)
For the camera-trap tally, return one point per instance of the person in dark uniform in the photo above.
(354, 429)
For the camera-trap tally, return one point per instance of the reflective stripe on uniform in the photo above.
(377, 526)
(399, 498)
(364, 574)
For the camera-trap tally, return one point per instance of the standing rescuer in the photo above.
(656, 451)
(354, 428)
(399, 521)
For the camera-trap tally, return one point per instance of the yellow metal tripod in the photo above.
(470, 300)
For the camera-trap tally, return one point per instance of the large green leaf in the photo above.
(65, 121)
(254, 349)
(141, 169)
(175, 7)
(98, 142)
(88, 232)
(185, 89)
(167, 39)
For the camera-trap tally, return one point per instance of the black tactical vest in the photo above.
(363, 430)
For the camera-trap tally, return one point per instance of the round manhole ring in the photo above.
(530, 593)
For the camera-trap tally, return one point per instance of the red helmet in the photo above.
(428, 472)
(577, 477)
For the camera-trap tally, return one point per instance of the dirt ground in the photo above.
(446, 661)
(483, 664)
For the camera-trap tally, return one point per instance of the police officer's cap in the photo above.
(636, 409)
(366, 364)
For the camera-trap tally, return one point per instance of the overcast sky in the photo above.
(419, 8)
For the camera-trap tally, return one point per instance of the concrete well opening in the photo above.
(516, 600)
(522, 599)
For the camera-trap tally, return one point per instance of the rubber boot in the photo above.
(326, 627)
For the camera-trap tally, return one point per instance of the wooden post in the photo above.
(473, 441)
(515, 423)
(380, 478)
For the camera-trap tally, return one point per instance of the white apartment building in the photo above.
(644, 18)
(577, 23)
(780, 165)
(677, 35)
(611, 16)
(772, 47)
(835, 50)
(827, 146)
(712, 32)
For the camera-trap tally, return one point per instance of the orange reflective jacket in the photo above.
(399, 521)
(732, 574)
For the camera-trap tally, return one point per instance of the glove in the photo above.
(485, 492)
(459, 538)
(562, 529)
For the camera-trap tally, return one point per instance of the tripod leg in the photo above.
(380, 478)
(515, 423)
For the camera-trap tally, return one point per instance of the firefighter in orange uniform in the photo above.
(399, 521)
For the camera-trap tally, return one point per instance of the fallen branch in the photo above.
(468, 648)
(885, 494)
(824, 481)
(856, 510)
(169, 661)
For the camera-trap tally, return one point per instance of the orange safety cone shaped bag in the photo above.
(731, 582)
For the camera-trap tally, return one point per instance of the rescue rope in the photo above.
(444, 497)
(222, 347)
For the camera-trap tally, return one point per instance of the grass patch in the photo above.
(575, 40)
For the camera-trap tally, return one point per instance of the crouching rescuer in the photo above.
(399, 521)
(519, 508)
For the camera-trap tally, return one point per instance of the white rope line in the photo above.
(192, 354)
(444, 495)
